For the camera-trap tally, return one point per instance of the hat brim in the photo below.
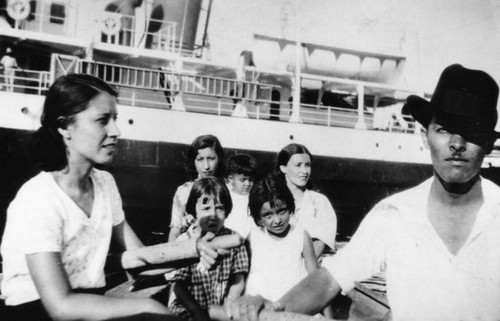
(420, 109)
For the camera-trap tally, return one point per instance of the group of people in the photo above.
(61, 222)
(286, 225)
(259, 242)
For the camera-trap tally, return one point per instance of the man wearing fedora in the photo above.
(437, 243)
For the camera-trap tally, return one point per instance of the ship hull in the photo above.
(147, 174)
(353, 168)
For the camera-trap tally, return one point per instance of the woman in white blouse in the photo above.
(61, 222)
(313, 210)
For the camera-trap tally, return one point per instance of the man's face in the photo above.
(453, 158)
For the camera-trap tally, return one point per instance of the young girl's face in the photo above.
(206, 162)
(210, 214)
(275, 219)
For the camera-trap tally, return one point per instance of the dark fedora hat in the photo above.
(464, 102)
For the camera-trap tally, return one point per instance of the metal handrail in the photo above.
(25, 81)
(189, 92)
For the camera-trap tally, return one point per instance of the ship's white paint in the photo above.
(159, 125)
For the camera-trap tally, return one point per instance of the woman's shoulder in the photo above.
(315, 194)
(38, 184)
(37, 191)
(317, 198)
(185, 187)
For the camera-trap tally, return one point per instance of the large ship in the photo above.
(344, 105)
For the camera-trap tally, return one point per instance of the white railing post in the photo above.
(40, 83)
(361, 105)
(295, 116)
(219, 106)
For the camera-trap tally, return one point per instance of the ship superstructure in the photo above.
(343, 104)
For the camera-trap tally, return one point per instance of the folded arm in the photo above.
(51, 281)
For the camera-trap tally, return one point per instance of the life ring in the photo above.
(110, 23)
(18, 9)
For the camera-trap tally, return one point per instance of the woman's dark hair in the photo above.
(211, 187)
(202, 142)
(68, 95)
(284, 156)
(270, 189)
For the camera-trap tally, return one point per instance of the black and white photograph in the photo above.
(249, 160)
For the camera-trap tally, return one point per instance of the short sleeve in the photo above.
(179, 205)
(364, 255)
(325, 221)
(35, 221)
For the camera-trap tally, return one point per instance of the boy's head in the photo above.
(209, 202)
(267, 195)
(241, 169)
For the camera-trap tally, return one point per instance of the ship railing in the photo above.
(169, 89)
(345, 117)
(259, 109)
(24, 81)
(167, 38)
(163, 38)
(169, 80)
(45, 17)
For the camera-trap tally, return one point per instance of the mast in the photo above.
(295, 116)
(204, 42)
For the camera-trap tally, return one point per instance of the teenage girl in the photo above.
(205, 157)
(313, 210)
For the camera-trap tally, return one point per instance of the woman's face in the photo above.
(298, 169)
(206, 162)
(93, 135)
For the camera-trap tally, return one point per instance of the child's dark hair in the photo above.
(243, 164)
(202, 142)
(270, 189)
(212, 187)
(68, 96)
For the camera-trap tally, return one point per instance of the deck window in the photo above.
(57, 13)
